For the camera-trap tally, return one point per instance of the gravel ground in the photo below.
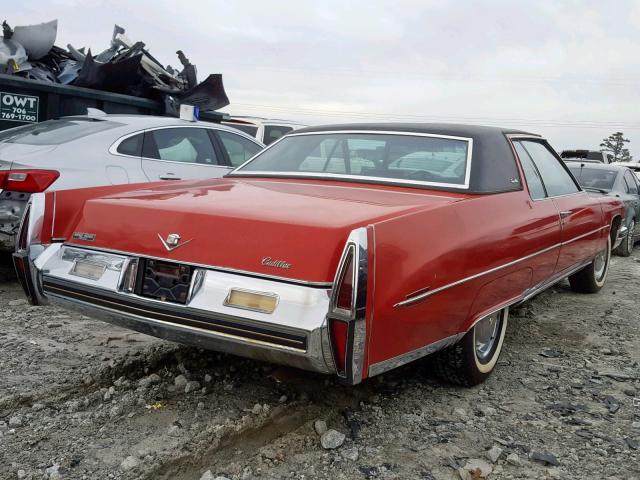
(83, 399)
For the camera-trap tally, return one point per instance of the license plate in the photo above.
(92, 271)
(166, 281)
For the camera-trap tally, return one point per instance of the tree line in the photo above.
(615, 144)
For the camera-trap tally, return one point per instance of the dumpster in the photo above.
(24, 101)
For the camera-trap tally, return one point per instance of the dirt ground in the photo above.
(80, 399)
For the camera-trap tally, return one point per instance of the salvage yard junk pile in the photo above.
(125, 67)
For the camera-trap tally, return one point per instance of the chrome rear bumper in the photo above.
(294, 334)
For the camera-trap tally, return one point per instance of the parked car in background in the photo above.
(265, 130)
(587, 156)
(348, 250)
(619, 181)
(635, 167)
(86, 151)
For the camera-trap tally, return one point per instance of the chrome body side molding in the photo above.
(426, 292)
(403, 359)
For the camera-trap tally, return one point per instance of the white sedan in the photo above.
(87, 151)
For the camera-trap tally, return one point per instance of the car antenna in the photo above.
(95, 112)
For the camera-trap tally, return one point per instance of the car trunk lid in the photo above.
(284, 228)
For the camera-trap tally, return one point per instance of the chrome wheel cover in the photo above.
(486, 334)
(600, 264)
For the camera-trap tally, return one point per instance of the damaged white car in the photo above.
(87, 151)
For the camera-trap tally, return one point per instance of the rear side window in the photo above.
(238, 148)
(187, 145)
(131, 146)
(557, 181)
(57, 132)
(274, 132)
(534, 181)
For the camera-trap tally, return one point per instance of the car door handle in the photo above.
(169, 176)
(565, 213)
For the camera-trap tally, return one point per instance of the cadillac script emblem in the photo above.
(270, 262)
(172, 242)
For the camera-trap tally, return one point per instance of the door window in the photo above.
(557, 180)
(631, 183)
(238, 148)
(187, 145)
(536, 187)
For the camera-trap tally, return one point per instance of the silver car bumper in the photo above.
(294, 334)
(623, 231)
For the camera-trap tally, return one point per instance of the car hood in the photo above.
(19, 155)
(237, 224)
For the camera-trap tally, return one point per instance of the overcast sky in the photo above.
(569, 70)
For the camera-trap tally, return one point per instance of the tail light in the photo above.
(339, 331)
(344, 295)
(23, 234)
(347, 312)
(29, 181)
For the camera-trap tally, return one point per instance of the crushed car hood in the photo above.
(237, 224)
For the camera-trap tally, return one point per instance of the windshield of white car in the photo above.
(594, 178)
(56, 132)
(404, 158)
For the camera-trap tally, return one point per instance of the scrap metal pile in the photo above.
(124, 67)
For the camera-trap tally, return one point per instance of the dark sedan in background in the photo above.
(617, 180)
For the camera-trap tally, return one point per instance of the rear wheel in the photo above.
(471, 360)
(626, 246)
(593, 277)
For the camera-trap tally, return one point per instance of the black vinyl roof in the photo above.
(493, 165)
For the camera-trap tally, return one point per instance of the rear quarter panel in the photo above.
(612, 207)
(427, 250)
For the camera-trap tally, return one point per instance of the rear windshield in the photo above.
(274, 132)
(586, 154)
(391, 158)
(594, 177)
(250, 129)
(56, 132)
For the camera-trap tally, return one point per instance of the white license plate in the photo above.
(92, 271)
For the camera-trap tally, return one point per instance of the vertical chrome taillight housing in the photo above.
(29, 246)
(347, 312)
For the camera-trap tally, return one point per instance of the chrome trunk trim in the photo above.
(207, 267)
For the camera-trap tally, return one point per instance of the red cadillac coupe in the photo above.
(346, 249)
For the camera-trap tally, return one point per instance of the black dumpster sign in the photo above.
(18, 108)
